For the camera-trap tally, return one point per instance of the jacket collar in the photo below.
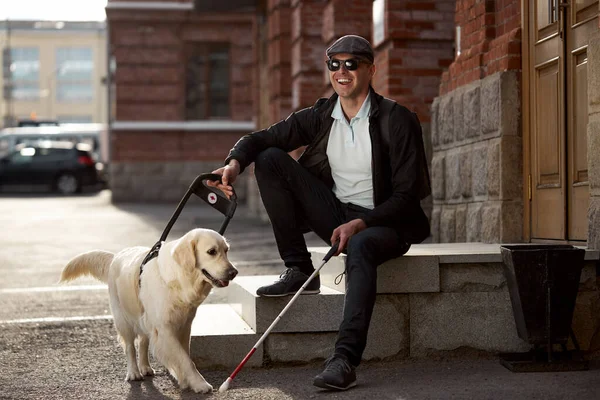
(375, 100)
(363, 112)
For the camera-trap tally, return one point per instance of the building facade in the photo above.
(516, 126)
(53, 70)
(184, 91)
(507, 91)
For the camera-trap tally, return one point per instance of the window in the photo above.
(74, 74)
(207, 81)
(24, 156)
(50, 154)
(22, 68)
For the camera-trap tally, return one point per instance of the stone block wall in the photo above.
(476, 168)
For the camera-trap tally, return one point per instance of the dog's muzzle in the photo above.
(231, 273)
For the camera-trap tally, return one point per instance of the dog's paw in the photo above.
(201, 387)
(146, 370)
(134, 376)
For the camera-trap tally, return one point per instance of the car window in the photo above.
(24, 156)
(50, 154)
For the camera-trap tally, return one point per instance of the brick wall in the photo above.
(150, 56)
(307, 52)
(416, 48)
(490, 41)
(278, 61)
(149, 47)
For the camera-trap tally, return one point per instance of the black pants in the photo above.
(295, 199)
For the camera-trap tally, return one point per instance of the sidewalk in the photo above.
(82, 360)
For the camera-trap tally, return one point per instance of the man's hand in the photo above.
(229, 174)
(344, 232)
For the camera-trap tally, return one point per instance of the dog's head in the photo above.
(205, 250)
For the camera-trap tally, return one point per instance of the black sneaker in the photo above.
(339, 374)
(290, 281)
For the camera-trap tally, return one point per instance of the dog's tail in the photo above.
(95, 263)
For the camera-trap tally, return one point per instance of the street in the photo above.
(58, 341)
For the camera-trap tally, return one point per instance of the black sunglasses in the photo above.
(351, 64)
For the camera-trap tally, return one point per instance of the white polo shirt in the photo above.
(349, 153)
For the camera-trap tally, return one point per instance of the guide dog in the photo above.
(157, 305)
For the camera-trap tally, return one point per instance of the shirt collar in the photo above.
(337, 112)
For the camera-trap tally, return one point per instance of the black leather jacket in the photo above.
(397, 166)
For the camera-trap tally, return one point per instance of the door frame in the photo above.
(526, 121)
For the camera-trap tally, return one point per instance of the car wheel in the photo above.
(67, 183)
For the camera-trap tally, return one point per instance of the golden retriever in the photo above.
(158, 307)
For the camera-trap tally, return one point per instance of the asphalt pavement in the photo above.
(58, 342)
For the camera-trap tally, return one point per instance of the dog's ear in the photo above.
(184, 252)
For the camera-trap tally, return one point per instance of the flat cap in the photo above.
(351, 44)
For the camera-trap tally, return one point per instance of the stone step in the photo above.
(430, 268)
(310, 313)
(438, 299)
(412, 273)
(221, 338)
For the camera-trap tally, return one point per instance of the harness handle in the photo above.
(211, 195)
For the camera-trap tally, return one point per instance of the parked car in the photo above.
(58, 166)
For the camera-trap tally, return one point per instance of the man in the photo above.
(359, 182)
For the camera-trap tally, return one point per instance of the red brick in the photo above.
(308, 55)
(144, 74)
(306, 90)
(421, 5)
(144, 93)
(144, 55)
(279, 82)
(279, 22)
(280, 51)
(149, 112)
(306, 19)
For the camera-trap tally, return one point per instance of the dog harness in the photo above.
(151, 254)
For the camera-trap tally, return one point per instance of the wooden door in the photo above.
(558, 36)
(581, 21)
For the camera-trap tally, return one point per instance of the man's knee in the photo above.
(269, 157)
(362, 245)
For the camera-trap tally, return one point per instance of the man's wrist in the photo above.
(361, 223)
(234, 163)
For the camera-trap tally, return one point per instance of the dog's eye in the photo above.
(212, 252)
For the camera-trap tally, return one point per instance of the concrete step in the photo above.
(412, 273)
(220, 337)
(310, 313)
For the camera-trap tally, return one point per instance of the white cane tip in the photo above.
(225, 386)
